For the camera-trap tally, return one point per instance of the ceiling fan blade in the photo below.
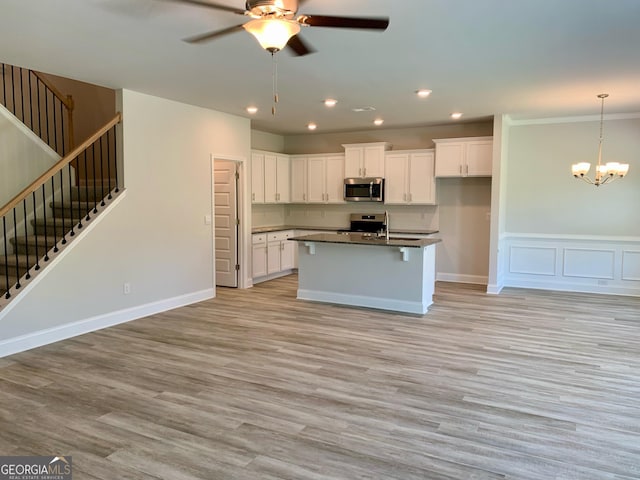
(344, 22)
(204, 3)
(298, 47)
(211, 35)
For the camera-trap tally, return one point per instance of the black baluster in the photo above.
(53, 216)
(26, 235)
(86, 187)
(17, 258)
(80, 214)
(115, 144)
(22, 96)
(64, 227)
(46, 113)
(44, 214)
(35, 221)
(62, 128)
(6, 258)
(109, 163)
(30, 102)
(102, 195)
(39, 109)
(93, 168)
(72, 232)
(13, 92)
(4, 85)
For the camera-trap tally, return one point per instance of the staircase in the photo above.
(48, 214)
(47, 234)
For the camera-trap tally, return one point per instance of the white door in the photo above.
(226, 223)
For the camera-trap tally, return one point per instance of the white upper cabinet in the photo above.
(409, 178)
(365, 159)
(464, 157)
(270, 178)
(317, 179)
(298, 179)
(257, 177)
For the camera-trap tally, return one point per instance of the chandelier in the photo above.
(604, 173)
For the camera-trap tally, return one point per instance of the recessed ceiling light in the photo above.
(312, 126)
(252, 110)
(423, 93)
(378, 121)
(363, 109)
(456, 115)
(330, 102)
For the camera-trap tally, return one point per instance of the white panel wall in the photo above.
(155, 238)
(561, 233)
(574, 263)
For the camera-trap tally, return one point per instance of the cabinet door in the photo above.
(259, 260)
(373, 162)
(273, 257)
(334, 179)
(282, 179)
(395, 178)
(270, 178)
(421, 182)
(315, 179)
(287, 255)
(257, 178)
(353, 162)
(298, 179)
(449, 159)
(479, 159)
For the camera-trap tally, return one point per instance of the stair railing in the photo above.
(34, 232)
(37, 103)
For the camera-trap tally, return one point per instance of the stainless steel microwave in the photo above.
(364, 189)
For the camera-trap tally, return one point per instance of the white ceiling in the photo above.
(528, 58)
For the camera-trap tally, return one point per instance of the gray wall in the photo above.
(155, 238)
(543, 197)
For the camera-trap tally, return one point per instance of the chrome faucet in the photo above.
(386, 225)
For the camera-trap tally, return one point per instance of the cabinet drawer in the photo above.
(257, 238)
(278, 236)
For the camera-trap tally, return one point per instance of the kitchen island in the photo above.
(397, 274)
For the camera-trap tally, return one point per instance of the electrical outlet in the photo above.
(126, 288)
(207, 219)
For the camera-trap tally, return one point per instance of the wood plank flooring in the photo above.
(527, 385)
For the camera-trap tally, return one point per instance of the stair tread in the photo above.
(23, 260)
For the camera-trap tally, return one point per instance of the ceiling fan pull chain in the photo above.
(274, 76)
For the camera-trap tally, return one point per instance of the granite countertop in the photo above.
(356, 239)
(279, 228)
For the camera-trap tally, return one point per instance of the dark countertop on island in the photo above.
(356, 239)
(279, 228)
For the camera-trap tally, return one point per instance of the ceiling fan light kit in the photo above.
(273, 34)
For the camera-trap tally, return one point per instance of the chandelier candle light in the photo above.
(604, 173)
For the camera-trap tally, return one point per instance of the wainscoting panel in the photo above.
(631, 265)
(573, 263)
(532, 260)
(589, 263)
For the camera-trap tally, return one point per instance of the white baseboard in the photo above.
(494, 289)
(51, 335)
(563, 286)
(364, 301)
(460, 278)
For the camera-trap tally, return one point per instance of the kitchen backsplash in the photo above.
(410, 217)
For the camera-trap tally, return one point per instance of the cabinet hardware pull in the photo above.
(467, 169)
(460, 169)
(360, 172)
(253, 197)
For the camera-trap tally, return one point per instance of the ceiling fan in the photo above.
(275, 23)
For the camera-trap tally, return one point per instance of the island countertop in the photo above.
(357, 239)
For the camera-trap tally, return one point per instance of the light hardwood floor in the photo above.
(257, 385)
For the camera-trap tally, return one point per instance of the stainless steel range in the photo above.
(366, 224)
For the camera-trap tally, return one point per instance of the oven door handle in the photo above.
(370, 190)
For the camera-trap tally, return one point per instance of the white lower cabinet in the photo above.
(273, 255)
(259, 256)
